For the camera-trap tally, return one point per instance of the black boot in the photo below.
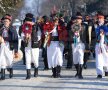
(28, 74)
(58, 71)
(11, 72)
(86, 55)
(80, 71)
(35, 72)
(77, 68)
(53, 74)
(99, 76)
(106, 73)
(2, 74)
(54, 70)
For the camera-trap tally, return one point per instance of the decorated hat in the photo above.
(78, 15)
(28, 17)
(7, 16)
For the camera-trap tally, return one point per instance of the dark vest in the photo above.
(83, 33)
(34, 38)
(12, 38)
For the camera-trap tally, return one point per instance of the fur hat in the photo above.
(78, 15)
(28, 17)
(7, 16)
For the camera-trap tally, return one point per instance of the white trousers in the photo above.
(78, 53)
(6, 56)
(55, 54)
(32, 56)
(19, 43)
(101, 58)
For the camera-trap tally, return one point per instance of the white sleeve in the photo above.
(22, 36)
(39, 34)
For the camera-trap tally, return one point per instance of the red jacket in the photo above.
(48, 26)
(62, 32)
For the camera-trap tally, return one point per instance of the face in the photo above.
(6, 22)
(56, 22)
(79, 21)
(100, 20)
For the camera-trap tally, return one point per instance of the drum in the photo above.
(18, 56)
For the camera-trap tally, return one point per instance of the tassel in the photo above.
(75, 41)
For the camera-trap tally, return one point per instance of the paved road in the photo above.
(45, 82)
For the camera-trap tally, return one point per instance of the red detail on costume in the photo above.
(27, 28)
(48, 26)
(62, 32)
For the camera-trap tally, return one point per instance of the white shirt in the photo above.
(5, 33)
(54, 31)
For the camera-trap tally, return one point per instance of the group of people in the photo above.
(56, 36)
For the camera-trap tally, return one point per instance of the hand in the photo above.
(15, 55)
(46, 33)
(1, 40)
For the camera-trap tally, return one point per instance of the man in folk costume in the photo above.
(31, 35)
(9, 46)
(57, 35)
(101, 46)
(89, 26)
(78, 44)
(44, 51)
(69, 42)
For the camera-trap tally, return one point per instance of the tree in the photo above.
(8, 5)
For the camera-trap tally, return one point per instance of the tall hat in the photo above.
(28, 17)
(78, 15)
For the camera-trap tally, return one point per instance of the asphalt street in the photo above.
(45, 82)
